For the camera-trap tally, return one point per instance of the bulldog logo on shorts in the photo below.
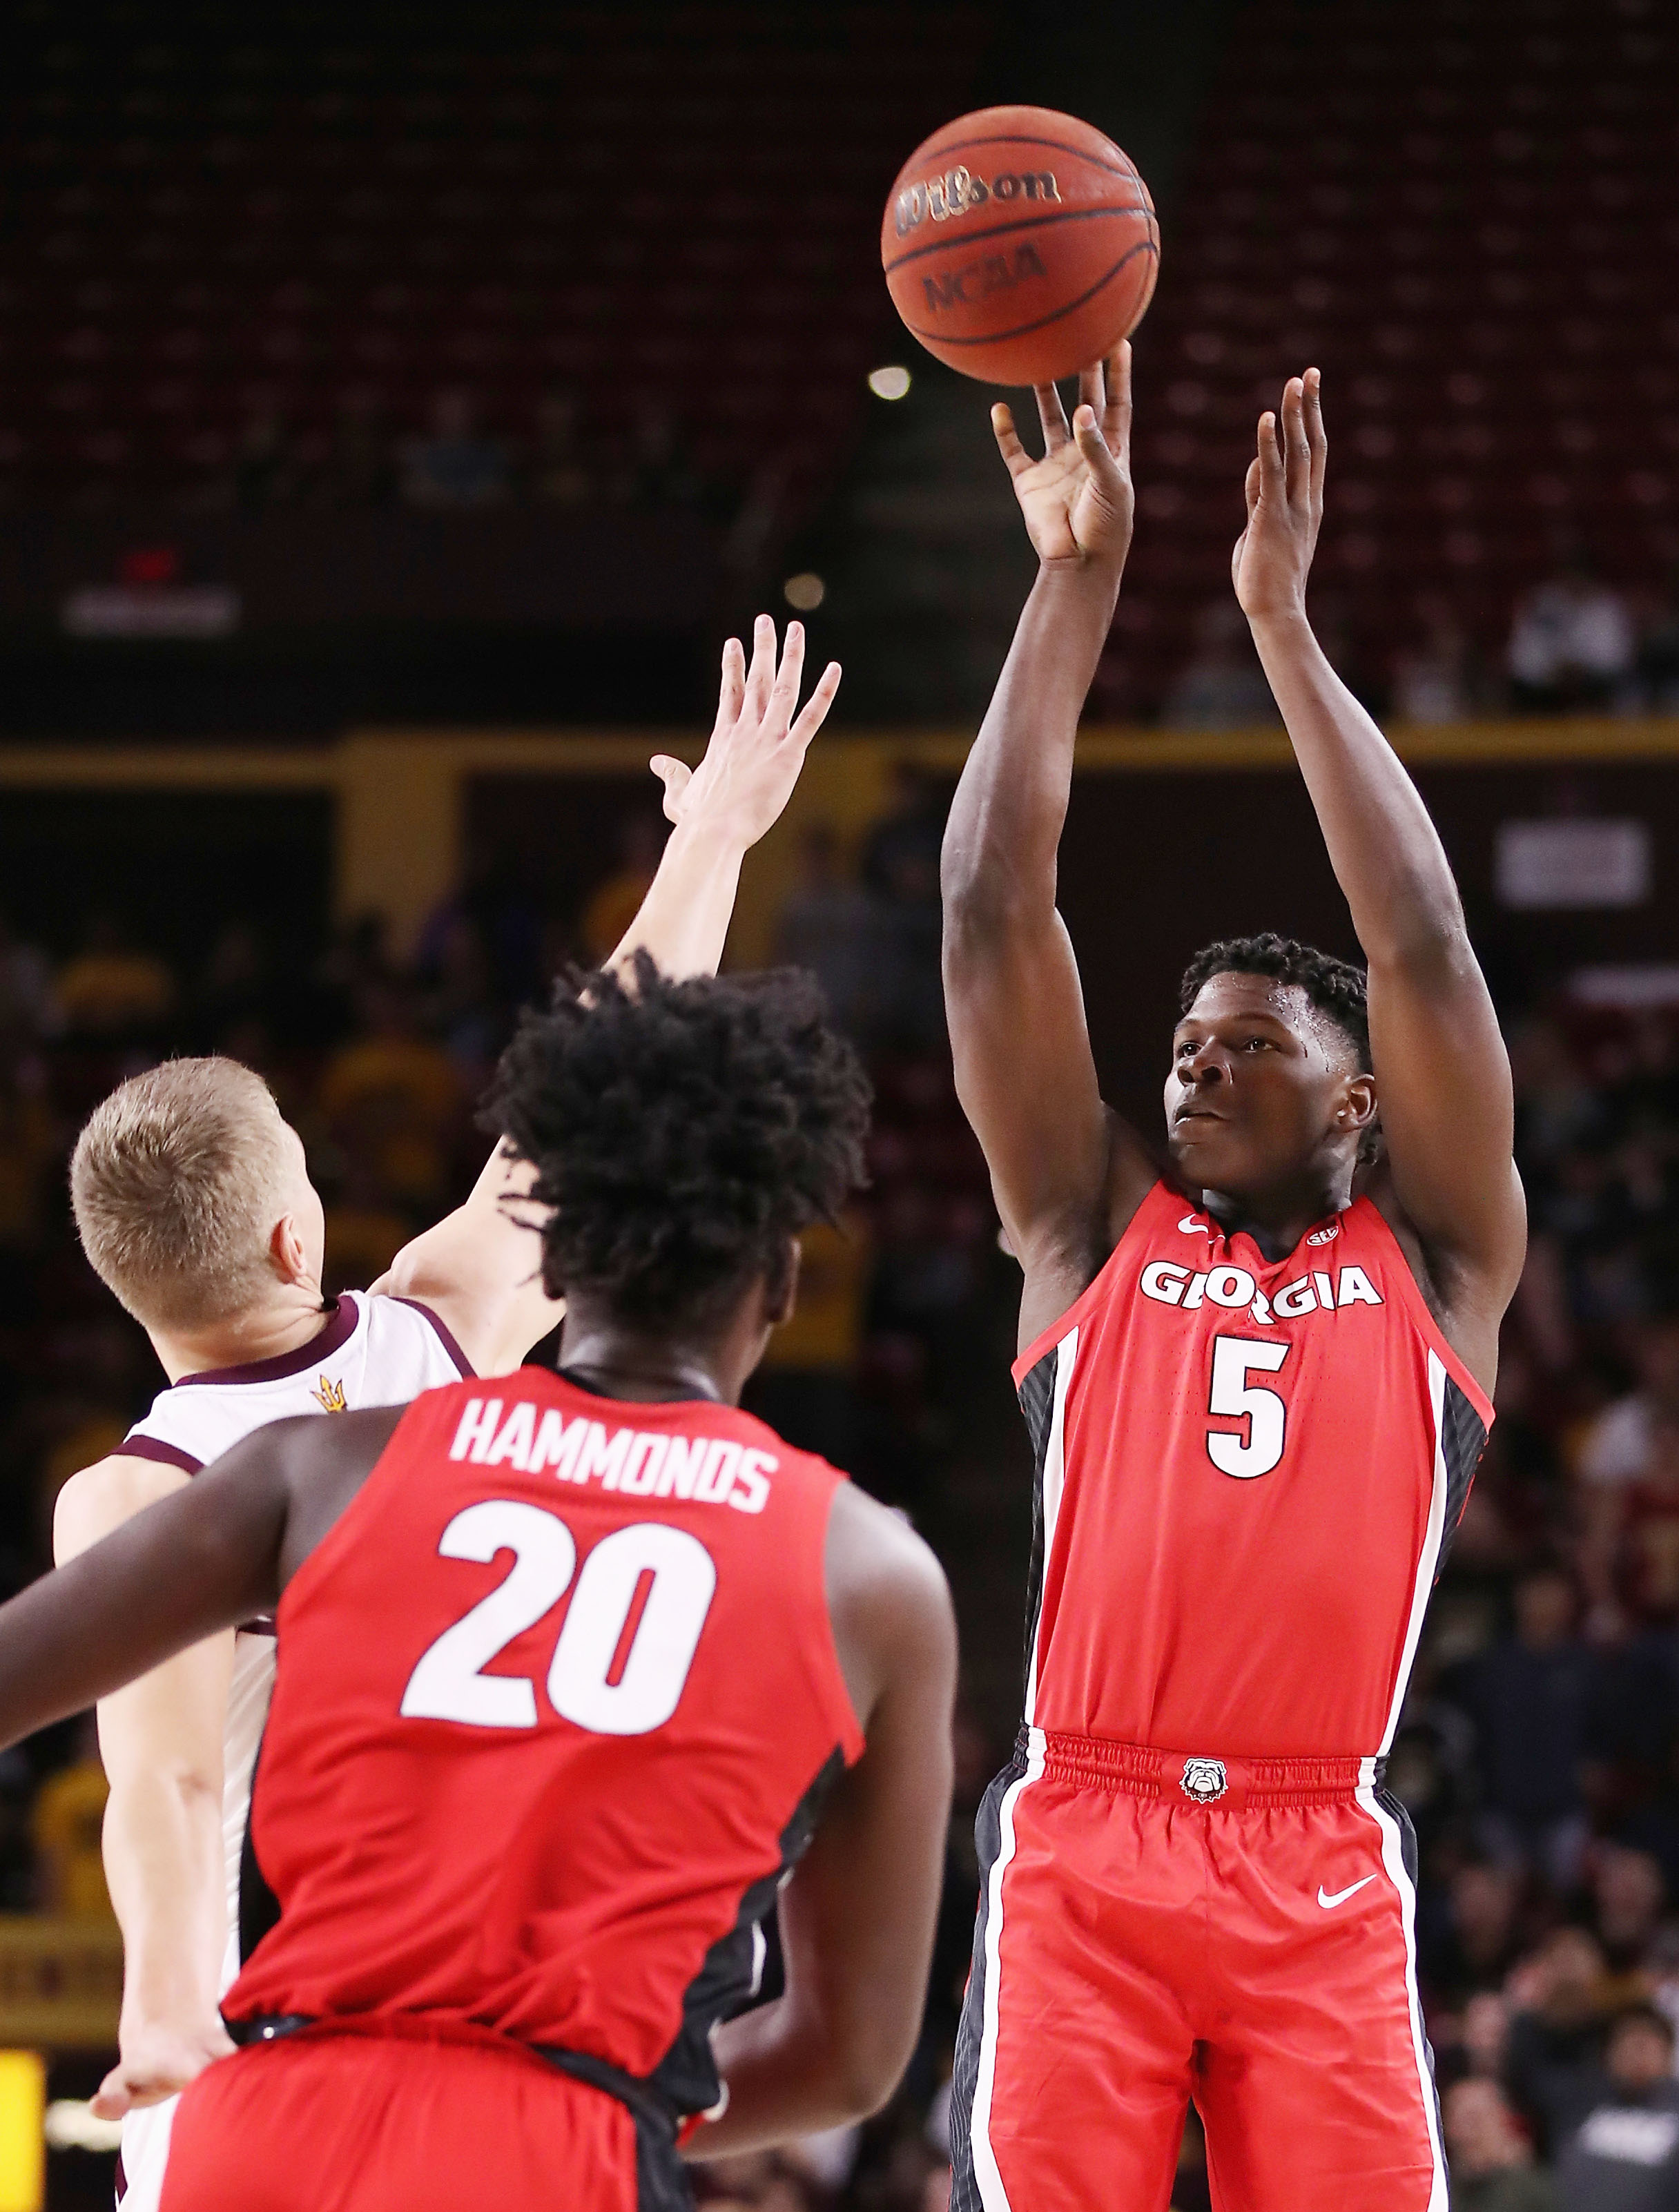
(1205, 1780)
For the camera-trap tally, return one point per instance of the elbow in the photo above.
(987, 898)
(865, 2075)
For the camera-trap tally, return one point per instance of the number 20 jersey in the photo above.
(555, 1701)
(1248, 1474)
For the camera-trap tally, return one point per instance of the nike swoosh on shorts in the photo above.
(1341, 1895)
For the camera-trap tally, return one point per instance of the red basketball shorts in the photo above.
(341, 2123)
(1153, 1928)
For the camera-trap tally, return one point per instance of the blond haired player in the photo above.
(194, 1204)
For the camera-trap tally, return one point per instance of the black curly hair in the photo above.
(681, 1132)
(1335, 986)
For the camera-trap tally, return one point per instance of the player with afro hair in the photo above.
(683, 1135)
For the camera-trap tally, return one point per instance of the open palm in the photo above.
(1077, 501)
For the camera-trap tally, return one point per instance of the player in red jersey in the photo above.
(1257, 1385)
(571, 1671)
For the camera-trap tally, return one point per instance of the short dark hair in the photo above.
(1335, 987)
(681, 1132)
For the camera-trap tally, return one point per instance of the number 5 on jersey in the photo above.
(1231, 1394)
(624, 1648)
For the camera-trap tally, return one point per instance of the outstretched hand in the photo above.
(1284, 491)
(1077, 501)
(158, 2062)
(757, 748)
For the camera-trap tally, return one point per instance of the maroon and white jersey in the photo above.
(371, 1351)
(1248, 1472)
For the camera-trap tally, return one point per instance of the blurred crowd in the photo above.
(1539, 1751)
(1576, 644)
(455, 460)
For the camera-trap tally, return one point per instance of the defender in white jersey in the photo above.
(194, 1204)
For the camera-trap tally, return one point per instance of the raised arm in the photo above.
(1067, 1176)
(161, 1742)
(478, 1268)
(1442, 1075)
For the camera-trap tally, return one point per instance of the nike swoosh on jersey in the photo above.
(1341, 1896)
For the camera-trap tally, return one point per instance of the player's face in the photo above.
(1259, 1080)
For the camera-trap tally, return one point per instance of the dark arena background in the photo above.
(398, 406)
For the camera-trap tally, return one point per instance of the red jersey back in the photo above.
(555, 1701)
(1247, 1474)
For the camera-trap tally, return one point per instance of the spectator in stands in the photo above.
(558, 473)
(360, 469)
(1491, 2156)
(660, 472)
(29, 1008)
(1433, 681)
(1570, 645)
(1628, 1893)
(1624, 2156)
(265, 462)
(1659, 652)
(805, 1387)
(1221, 686)
(112, 989)
(455, 464)
(825, 925)
(1530, 1697)
(614, 904)
(900, 870)
(68, 1817)
(1557, 2034)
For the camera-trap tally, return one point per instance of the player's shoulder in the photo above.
(878, 1567)
(102, 1496)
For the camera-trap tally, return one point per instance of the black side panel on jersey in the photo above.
(1462, 1441)
(259, 1907)
(965, 2073)
(727, 1980)
(1036, 1394)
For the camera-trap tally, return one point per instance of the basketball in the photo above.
(1019, 245)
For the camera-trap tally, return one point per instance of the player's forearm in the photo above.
(1387, 856)
(163, 1866)
(684, 918)
(786, 2075)
(1010, 804)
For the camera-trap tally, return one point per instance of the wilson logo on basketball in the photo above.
(958, 193)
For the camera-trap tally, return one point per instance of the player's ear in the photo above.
(781, 1286)
(287, 1253)
(1359, 1109)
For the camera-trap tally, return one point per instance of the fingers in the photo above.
(1316, 437)
(1053, 415)
(762, 673)
(1296, 448)
(816, 706)
(1094, 447)
(676, 775)
(1091, 391)
(1272, 478)
(733, 683)
(1117, 414)
(784, 694)
(1016, 458)
(1250, 489)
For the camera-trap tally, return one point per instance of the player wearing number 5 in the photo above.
(571, 1670)
(1257, 1385)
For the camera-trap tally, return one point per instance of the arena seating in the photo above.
(215, 221)
(1462, 211)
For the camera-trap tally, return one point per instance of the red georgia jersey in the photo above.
(1247, 1474)
(554, 1699)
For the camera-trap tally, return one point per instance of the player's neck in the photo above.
(283, 1323)
(1277, 1219)
(650, 1368)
